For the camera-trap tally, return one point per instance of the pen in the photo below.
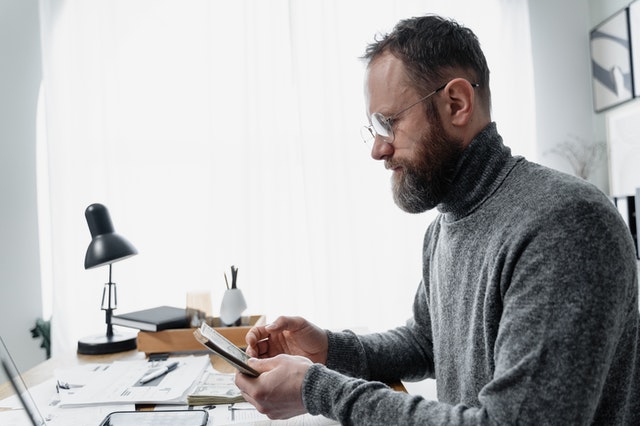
(234, 276)
(159, 372)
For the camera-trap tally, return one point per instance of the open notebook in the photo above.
(117, 418)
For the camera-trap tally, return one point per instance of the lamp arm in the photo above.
(107, 319)
(112, 303)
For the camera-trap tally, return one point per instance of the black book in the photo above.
(154, 319)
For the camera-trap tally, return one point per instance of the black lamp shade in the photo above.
(106, 246)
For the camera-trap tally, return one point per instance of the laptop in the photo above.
(19, 386)
(138, 418)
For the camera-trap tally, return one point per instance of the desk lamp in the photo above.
(106, 247)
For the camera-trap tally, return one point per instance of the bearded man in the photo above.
(527, 312)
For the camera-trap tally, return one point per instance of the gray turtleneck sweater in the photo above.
(527, 312)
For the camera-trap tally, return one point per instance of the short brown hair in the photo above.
(434, 50)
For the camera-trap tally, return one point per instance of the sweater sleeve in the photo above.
(354, 401)
(404, 353)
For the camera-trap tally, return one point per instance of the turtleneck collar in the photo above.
(482, 168)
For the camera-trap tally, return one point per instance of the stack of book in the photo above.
(154, 319)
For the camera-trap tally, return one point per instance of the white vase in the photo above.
(232, 306)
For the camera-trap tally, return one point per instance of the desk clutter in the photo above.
(195, 383)
(169, 329)
(85, 393)
(197, 311)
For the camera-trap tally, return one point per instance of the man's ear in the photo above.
(460, 96)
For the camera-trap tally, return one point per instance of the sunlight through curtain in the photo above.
(222, 133)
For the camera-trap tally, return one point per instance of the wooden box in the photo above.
(181, 340)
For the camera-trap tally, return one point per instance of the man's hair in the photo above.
(435, 50)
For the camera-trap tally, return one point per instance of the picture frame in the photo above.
(611, 68)
(634, 37)
(623, 148)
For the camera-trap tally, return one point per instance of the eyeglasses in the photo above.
(383, 126)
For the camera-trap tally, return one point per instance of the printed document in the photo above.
(119, 382)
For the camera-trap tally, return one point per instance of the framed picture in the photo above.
(611, 62)
(634, 35)
(623, 140)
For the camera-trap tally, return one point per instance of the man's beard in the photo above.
(422, 184)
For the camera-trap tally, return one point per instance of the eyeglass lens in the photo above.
(380, 126)
(367, 134)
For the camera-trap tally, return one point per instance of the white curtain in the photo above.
(227, 133)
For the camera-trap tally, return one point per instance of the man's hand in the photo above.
(277, 392)
(291, 336)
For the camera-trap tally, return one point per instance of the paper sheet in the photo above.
(47, 400)
(118, 382)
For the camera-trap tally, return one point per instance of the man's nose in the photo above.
(381, 149)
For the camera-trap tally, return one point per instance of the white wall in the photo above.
(20, 75)
(562, 75)
(602, 9)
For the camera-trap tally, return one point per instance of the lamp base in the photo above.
(101, 344)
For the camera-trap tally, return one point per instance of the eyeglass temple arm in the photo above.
(394, 116)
